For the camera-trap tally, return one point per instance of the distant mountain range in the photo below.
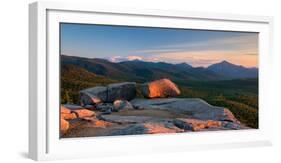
(233, 71)
(141, 71)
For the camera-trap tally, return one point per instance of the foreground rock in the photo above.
(88, 122)
(126, 119)
(66, 113)
(121, 91)
(160, 88)
(148, 128)
(93, 95)
(193, 108)
(206, 125)
(106, 108)
(64, 110)
(64, 126)
(81, 113)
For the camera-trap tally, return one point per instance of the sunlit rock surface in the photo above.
(160, 88)
(194, 108)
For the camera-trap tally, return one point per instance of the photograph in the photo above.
(132, 80)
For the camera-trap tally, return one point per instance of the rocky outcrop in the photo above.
(71, 118)
(160, 88)
(121, 91)
(190, 107)
(114, 110)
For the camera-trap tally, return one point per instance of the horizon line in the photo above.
(162, 62)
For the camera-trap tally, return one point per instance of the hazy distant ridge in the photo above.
(141, 71)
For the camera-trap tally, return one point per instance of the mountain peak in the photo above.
(225, 62)
(232, 70)
(184, 65)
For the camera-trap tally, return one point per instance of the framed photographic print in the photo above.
(139, 81)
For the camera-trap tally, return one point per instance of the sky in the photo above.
(191, 46)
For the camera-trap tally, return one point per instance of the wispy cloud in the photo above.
(241, 50)
(127, 58)
(237, 43)
(206, 58)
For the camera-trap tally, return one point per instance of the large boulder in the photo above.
(160, 88)
(121, 91)
(194, 108)
(93, 95)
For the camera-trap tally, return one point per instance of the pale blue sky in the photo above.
(196, 47)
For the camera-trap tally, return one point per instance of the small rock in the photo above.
(122, 105)
(160, 88)
(106, 112)
(68, 116)
(234, 126)
(84, 113)
(66, 113)
(93, 95)
(104, 107)
(183, 125)
(121, 91)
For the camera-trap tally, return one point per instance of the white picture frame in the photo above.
(44, 141)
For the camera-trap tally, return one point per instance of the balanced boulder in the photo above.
(160, 88)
